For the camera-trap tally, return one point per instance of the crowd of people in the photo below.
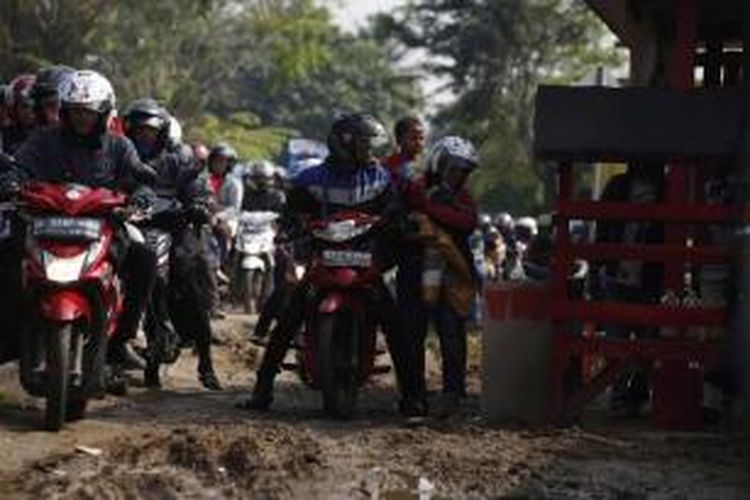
(63, 125)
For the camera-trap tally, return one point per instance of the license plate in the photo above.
(346, 258)
(67, 228)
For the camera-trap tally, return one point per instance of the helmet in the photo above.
(526, 228)
(145, 112)
(148, 113)
(225, 150)
(450, 156)
(262, 173)
(222, 150)
(175, 131)
(19, 90)
(357, 140)
(18, 101)
(504, 221)
(264, 169)
(485, 221)
(88, 90)
(48, 82)
(46, 95)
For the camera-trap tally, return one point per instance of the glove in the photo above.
(143, 199)
(200, 213)
(10, 185)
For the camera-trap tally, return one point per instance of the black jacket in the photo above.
(48, 156)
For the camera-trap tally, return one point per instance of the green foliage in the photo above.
(242, 130)
(252, 72)
(494, 54)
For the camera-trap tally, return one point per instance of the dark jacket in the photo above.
(48, 156)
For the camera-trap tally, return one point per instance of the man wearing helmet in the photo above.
(46, 94)
(441, 196)
(149, 125)
(81, 150)
(18, 99)
(351, 178)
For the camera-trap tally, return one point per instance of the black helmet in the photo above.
(48, 82)
(45, 94)
(357, 140)
(222, 150)
(225, 150)
(147, 112)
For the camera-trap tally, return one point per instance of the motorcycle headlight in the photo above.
(339, 232)
(63, 269)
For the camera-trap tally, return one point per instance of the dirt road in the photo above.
(184, 442)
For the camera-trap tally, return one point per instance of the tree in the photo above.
(250, 71)
(494, 54)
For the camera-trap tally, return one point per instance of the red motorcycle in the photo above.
(72, 294)
(339, 342)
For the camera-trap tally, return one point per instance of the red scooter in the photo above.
(339, 342)
(72, 295)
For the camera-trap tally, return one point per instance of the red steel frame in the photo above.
(678, 364)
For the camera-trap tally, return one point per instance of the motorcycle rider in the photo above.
(265, 192)
(227, 190)
(21, 112)
(442, 197)
(45, 94)
(148, 125)
(351, 178)
(82, 150)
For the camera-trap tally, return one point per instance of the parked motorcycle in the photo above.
(72, 294)
(254, 258)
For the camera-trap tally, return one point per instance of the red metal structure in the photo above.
(702, 34)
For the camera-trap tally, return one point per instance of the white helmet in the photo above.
(527, 224)
(175, 131)
(264, 169)
(461, 150)
(88, 89)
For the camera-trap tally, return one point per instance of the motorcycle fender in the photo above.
(253, 262)
(331, 303)
(65, 306)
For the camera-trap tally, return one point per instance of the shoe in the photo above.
(262, 397)
(414, 411)
(115, 381)
(450, 405)
(151, 378)
(132, 360)
(209, 380)
(257, 402)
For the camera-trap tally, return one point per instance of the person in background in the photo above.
(45, 94)
(410, 144)
(20, 108)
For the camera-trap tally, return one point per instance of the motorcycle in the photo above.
(339, 344)
(73, 296)
(157, 223)
(254, 253)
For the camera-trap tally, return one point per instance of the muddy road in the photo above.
(184, 442)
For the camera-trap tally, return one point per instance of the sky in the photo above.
(354, 13)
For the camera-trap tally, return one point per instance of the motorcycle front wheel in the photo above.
(58, 376)
(338, 372)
